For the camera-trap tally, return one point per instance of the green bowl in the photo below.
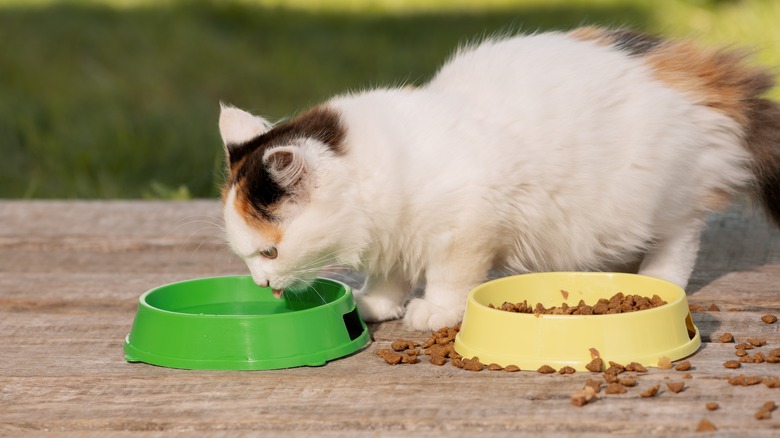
(229, 323)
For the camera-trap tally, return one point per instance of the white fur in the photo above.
(536, 153)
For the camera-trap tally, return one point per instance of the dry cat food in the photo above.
(675, 387)
(743, 380)
(615, 388)
(664, 363)
(732, 364)
(683, 366)
(651, 391)
(712, 406)
(583, 396)
(765, 412)
(596, 365)
(618, 303)
(567, 370)
(726, 337)
(546, 369)
(769, 319)
(705, 426)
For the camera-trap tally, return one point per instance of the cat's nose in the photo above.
(262, 282)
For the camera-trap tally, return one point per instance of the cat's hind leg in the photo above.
(382, 297)
(674, 256)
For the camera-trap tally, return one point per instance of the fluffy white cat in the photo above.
(593, 149)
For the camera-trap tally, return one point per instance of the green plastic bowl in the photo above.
(229, 323)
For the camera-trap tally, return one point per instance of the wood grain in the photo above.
(71, 272)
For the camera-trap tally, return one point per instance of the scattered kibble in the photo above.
(675, 387)
(615, 388)
(726, 337)
(732, 364)
(683, 366)
(705, 426)
(636, 367)
(630, 382)
(756, 342)
(595, 366)
(567, 370)
(583, 396)
(712, 406)
(494, 367)
(650, 392)
(546, 369)
(512, 368)
(743, 380)
(664, 363)
(713, 308)
(769, 319)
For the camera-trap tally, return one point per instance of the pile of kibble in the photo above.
(618, 303)
(615, 378)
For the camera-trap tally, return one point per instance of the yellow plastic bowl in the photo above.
(529, 341)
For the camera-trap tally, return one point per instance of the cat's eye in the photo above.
(270, 253)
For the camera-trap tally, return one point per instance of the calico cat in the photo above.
(591, 149)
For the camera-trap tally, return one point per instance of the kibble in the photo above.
(546, 369)
(683, 366)
(705, 426)
(732, 364)
(650, 392)
(713, 308)
(473, 364)
(596, 365)
(630, 382)
(595, 384)
(494, 367)
(743, 380)
(769, 319)
(567, 370)
(726, 337)
(438, 360)
(664, 363)
(772, 382)
(756, 342)
(615, 388)
(712, 406)
(636, 367)
(583, 396)
(512, 368)
(675, 387)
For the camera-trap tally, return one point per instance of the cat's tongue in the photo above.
(277, 293)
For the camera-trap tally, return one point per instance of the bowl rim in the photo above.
(142, 300)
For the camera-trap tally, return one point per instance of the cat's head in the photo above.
(284, 194)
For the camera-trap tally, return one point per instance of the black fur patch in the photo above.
(633, 42)
(246, 160)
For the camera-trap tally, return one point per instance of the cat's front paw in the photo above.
(424, 315)
(375, 308)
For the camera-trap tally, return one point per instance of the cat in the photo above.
(583, 150)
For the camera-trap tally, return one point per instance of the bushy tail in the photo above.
(763, 141)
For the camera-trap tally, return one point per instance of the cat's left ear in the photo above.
(238, 128)
(287, 166)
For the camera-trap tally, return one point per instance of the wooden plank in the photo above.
(71, 272)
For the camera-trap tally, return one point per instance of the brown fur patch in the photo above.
(247, 172)
(590, 33)
(269, 230)
(632, 42)
(763, 141)
(719, 79)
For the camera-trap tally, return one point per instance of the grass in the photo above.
(119, 98)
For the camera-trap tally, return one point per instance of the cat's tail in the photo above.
(763, 141)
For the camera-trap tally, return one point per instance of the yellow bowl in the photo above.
(529, 341)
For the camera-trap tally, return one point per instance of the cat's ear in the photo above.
(286, 165)
(237, 128)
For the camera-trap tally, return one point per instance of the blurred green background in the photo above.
(120, 98)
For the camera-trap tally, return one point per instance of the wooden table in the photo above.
(71, 273)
